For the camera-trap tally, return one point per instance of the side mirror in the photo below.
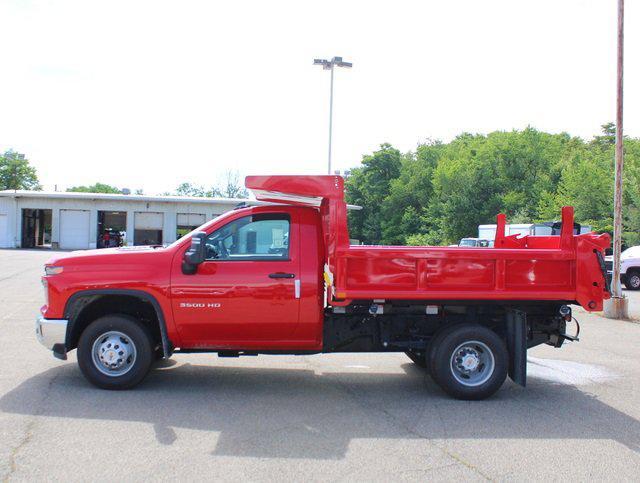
(196, 254)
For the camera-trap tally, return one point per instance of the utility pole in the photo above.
(329, 65)
(618, 306)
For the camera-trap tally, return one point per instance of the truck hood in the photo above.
(98, 254)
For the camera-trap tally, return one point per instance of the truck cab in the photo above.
(282, 278)
(257, 285)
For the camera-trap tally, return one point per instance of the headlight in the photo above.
(51, 270)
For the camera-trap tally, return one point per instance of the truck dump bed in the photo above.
(566, 268)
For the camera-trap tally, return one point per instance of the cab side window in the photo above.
(256, 237)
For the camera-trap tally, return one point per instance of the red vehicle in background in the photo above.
(282, 278)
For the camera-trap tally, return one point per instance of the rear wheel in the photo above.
(115, 352)
(469, 361)
(633, 281)
(419, 358)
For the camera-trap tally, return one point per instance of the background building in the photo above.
(76, 221)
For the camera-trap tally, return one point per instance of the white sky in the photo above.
(148, 94)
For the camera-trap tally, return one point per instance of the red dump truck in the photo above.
(282, 278)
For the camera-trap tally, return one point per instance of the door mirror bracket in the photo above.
(196, 254)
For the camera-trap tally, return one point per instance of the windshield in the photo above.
(466, 242)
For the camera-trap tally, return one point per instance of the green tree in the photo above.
(95, 188)
(631, 198)
(229, 186)
(608, 137)
(368, 186)
(587, 185)
(466, 193)
(443, 191)
(409, 194)
(189, 189)
(16, 173)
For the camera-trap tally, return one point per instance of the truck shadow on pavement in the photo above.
(299, 413)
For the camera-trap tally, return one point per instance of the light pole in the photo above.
(329, 65)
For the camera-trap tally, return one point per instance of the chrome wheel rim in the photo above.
(114, 353)
(472, 363)
(634, 280)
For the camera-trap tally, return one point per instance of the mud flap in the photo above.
(517, 345)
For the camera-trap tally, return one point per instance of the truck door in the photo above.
(247, 292)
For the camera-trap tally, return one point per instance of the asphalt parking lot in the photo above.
(324, 417)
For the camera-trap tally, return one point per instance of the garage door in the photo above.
(4, 231)
(74, 229)
(148, 221)
(191, 219)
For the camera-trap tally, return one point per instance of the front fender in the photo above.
(79, 300)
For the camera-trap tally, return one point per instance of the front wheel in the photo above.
(469, 361)
(115, 352)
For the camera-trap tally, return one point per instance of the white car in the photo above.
(629, 267)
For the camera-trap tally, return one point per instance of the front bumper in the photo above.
(52, 334)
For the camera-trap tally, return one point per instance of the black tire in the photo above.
(483, 347)
(632, 281)
(138, 340)
(419, 358)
